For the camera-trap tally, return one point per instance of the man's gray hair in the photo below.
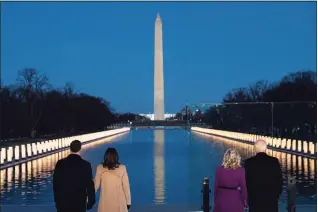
(260, 146)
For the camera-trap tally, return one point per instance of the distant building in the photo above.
(152, 116)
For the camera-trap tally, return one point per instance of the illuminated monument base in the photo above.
(152, 116)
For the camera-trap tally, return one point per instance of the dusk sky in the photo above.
(107, 48)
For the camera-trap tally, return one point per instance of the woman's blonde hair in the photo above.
(231, 159)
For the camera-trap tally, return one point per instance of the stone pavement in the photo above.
(299, 208)
(152, 208)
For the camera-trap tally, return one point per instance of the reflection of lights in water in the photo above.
(23, 174)
(312, 168)
(283, 161)
(16, 176)
(9, 179)
(34, 168)
(279, 155)
(306, 168)
(292, 164)
(2, 178)
(102, 141)
(159, 166)
(288, 160)
(39, 164)
(41, 168)
(55, 157)
(300, 165)
(274, 154)
(29, 168)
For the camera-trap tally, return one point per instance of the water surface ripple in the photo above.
(164, 167)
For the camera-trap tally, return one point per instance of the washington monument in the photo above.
(159, 103)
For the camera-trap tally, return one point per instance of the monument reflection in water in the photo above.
(166, 151)
(159, 163)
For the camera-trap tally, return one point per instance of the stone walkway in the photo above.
(153, 208)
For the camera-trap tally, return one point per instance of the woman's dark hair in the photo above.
(111, 159)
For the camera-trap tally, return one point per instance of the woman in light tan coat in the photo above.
(112, 177)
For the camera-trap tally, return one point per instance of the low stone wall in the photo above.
(24, 152)
(290, 145)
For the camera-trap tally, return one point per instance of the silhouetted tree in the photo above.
(178, 116)
(129, 117)
(285, 109)
(33, 105)
(31, 87)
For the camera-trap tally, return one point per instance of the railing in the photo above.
(206, 195)
(291, 197)
(306, 148)
(289, 120)
(118, 125)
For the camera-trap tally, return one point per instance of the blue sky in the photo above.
(107, 48)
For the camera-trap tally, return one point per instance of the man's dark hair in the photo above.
(76, 146)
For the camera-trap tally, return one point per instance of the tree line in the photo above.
(286, 108)
(32, 107)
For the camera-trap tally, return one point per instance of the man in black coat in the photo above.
(73, 184)
(263, 180)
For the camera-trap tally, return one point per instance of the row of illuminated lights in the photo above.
(18, 175)
(305, 166)
(115, 126)
(280, 143)
(24, 151)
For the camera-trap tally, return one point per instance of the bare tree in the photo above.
(257, 90)
(237, 95)
(69, 89)
(302, 77)
(33, 85)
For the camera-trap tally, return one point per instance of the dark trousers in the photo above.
(271, 207)
(72, 210)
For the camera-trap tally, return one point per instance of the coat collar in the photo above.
(261, 154)
(74, 156)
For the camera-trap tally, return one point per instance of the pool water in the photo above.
(165, 167)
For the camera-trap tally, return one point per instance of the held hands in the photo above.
(89, 206)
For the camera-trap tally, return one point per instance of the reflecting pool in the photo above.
(165, 167)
